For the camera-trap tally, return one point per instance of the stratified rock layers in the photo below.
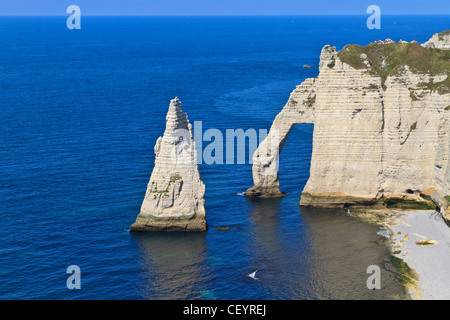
(175, 197)
(374, 139)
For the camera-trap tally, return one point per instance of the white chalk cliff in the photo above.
(381, 116)
(175, 197)
(439, 40)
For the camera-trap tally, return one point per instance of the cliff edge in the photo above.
(381, 116)
(439, 40)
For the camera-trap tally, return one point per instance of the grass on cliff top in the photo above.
(388, 59)
(408, 275)
(443, 33)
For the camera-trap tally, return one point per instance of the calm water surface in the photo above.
(80, 113)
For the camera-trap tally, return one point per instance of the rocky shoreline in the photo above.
(419, 244)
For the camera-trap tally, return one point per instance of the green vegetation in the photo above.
(447, 108)
(375, 216)
(413, 127)
(447, 198)
(292, 102)
(310, 101)
(443, 33)
(331, 64)
(165, 192)
(389, 59)
(154, 188)
(414, 96)
(436, 86)
(372, 86)
(407, 275)
(398, 203)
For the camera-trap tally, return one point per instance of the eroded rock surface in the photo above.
(439, 40)
(381, 116)
(175, 197)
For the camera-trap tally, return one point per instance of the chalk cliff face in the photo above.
(175, 195)
(439, 40)
(381, 118)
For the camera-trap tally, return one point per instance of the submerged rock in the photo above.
(225, 228)
(175, 197)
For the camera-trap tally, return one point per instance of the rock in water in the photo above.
(381, 116)
(175, 197)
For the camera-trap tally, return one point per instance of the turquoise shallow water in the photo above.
(80, 114)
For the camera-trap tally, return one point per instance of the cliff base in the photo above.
(148, 224)
(264, 192)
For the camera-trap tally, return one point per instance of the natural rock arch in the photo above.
(375, 137)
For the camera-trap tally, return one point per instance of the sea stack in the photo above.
(175, 197)
(381, 116)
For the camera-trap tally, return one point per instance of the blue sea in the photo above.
(81, 111)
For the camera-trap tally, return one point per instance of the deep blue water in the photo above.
(80, 113)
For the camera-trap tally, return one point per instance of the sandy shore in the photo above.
(422, 240)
